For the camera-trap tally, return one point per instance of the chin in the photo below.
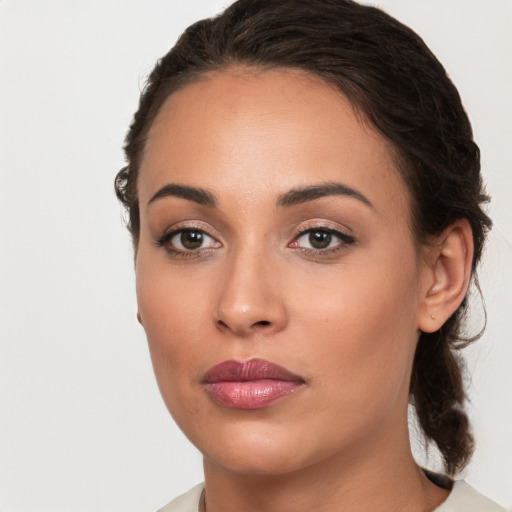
(254, 460)
(259, 450)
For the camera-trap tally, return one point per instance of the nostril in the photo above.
(263, 323)
(243, 328)
(222, 324)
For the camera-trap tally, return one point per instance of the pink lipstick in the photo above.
(251, 384)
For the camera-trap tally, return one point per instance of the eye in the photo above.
(187, 240)
(321, 240)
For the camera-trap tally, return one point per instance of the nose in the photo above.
(249, 299)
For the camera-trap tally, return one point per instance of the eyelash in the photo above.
(165, 239)
(344, 241)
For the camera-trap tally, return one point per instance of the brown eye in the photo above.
(188, 240)
(191, 239)
(320, 239)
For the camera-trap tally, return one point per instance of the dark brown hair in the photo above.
(395, 83)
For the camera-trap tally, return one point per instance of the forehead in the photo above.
(263, 131)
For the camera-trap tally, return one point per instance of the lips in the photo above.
(251, 384)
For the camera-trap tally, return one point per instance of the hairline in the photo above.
(180, 82)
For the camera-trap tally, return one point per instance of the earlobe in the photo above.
(139, 318)
(450, 259)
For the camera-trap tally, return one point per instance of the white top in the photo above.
(188, 502)
(463, 498)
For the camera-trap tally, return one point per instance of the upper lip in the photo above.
(250, 370)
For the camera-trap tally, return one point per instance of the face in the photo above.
(277, 278)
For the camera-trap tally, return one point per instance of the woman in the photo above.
(304, 198)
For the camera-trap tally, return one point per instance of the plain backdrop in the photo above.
(82, 425)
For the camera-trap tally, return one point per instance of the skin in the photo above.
(346, 318)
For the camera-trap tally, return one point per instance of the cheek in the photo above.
(361, 330)
(171, 316)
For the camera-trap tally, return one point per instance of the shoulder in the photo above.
(188, 502)
(464, 498)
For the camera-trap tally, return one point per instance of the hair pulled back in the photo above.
(395, 83)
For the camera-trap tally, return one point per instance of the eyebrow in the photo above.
(292, 197)
(310, 193)
(195, 194)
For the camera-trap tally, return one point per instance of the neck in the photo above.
(373, 478)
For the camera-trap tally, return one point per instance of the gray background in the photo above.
(82, 425)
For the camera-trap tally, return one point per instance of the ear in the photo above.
(448, 271)
(139, 318)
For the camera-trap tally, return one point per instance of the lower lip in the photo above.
(254, 394)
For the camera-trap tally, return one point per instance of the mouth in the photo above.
(251, 384)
